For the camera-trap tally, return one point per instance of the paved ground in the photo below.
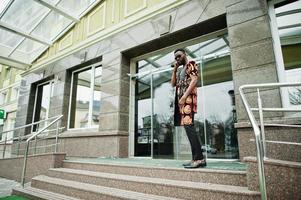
(6, 186)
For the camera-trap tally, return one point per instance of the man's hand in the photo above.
(182, 100)
(174, 74)
(175, 65)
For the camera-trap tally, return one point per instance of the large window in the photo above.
(85, 98)
(285, 20)
(155, 133)
(44, 92)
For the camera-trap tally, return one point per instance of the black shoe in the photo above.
(196, 165)
(188, 163)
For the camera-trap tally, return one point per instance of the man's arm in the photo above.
(193, 83)
(174, 76)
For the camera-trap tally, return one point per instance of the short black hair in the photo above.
(179, 50)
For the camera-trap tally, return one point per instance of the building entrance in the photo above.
(155, 134)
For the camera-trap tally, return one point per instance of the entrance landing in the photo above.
(165, 163)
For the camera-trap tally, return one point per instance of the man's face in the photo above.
(180, 57)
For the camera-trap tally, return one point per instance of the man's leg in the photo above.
(191, 143)
(196, 147)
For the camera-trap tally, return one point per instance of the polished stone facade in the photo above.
(252, 58)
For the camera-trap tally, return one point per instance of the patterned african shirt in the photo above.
(184, 113)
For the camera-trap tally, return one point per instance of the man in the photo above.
(185, 80)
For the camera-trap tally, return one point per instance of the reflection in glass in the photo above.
(82, 93)
(143, 117)
(85, 100)
(163, 115)
(217, 106)
(96, 96)
(45, 102)
(294, 75)
(42, 104)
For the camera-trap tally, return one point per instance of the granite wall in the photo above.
(11, 168)
(283, 179)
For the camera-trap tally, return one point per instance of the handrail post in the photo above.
(259, 147)
(4, 147)
(35, 145)
(19, 141)
(27, 147)
(24, 164)
(56, 137)
(260, 162)
(262, 138)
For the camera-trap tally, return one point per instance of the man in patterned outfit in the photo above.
(185, 80)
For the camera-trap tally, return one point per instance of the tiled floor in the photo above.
(211, 164)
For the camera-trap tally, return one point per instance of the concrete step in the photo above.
(89, 191)
(155, 186)
(37, 194)
(225, 177)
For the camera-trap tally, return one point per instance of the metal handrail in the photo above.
(279, 142)
(10, 141)
(28, 125)
(259, 132)
(34, 136)
(49, 130)
(21, 127)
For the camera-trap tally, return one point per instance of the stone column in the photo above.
(25, 107)
(114, 109)
(26, 101)
(252, 58)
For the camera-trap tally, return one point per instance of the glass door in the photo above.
(143, 116)
(216, 114)
(155, 133)
(163, 109)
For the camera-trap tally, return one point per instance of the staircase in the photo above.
(91, 180)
